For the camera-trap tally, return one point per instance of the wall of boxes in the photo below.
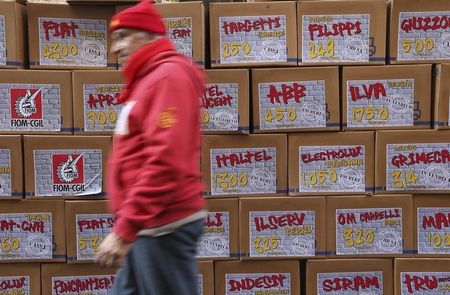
(326, 151)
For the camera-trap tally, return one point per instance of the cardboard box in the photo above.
(244, 165)
(95, 105)
(225, 102)
(295, 99)
(341, 32)
(11, 173)
(78, 278)
(256, 277)
(431, 225)
(331, 163)
(186, 27)
(419, 31)
(220, 239)
(87, 224)
(70, 37)
(102, 2)
(386, 97)
(413, 161)
(253, 34)
(293, 227)
(65, 166)
(36, 102)
(20, 278)
(205, 277)
(421, 276)
(349, 276)
(13, 43)
(33, 231)
(442, 97)
(369, 226)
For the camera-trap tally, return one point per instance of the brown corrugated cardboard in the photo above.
(64, 278)
(331, 163)
(369, 226)
(95, 105)
(70, 37)
(243, 165)
(220, 239)
(11, 167)
(441, 108)
(253, 34)
(205, 277)
(20, 279)
(386, 97)
(13, 43)
(295, 99)
(349, 276)
(226, 102)
(87, 224)
(33, 230)
(421, 276)
(412, 161)
(341, 32)
(36, 102)
(65, 166)
(186, 27)
(419, 31)
(282, 227)
(102, 2)
(431, 219)
(257, 277)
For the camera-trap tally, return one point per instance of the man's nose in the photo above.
(116, 47)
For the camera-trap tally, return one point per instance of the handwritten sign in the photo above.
(243, 171)
(418, 166)
(91, 229)
(5, 173)
(350, 283)
(179, 30)
(215, 241)
(369, 231)
(258, 283)
(380, 103)
(220, 107)
(93, 284)
(200, 283)
(297, 104)
(282, 233)
(26, 236)
(15, 285)
(433, 230)
(101, 106)
(424, 36)
(249, 39)
(2, 40)
(67, 172)
(30, 107)
(425, 282)
(335, 38)
(73, 42)
(332, 168)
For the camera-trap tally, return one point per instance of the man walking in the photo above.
(154, 181)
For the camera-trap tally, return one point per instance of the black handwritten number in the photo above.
(372, 47)
(417, 111)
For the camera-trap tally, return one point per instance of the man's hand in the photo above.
(112, 251)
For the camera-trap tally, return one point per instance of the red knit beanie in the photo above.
(142, 16)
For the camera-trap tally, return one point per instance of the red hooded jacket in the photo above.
(153, 174)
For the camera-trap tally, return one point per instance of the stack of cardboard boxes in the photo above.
(326, 170)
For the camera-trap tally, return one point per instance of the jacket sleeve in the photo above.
(166, 128)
